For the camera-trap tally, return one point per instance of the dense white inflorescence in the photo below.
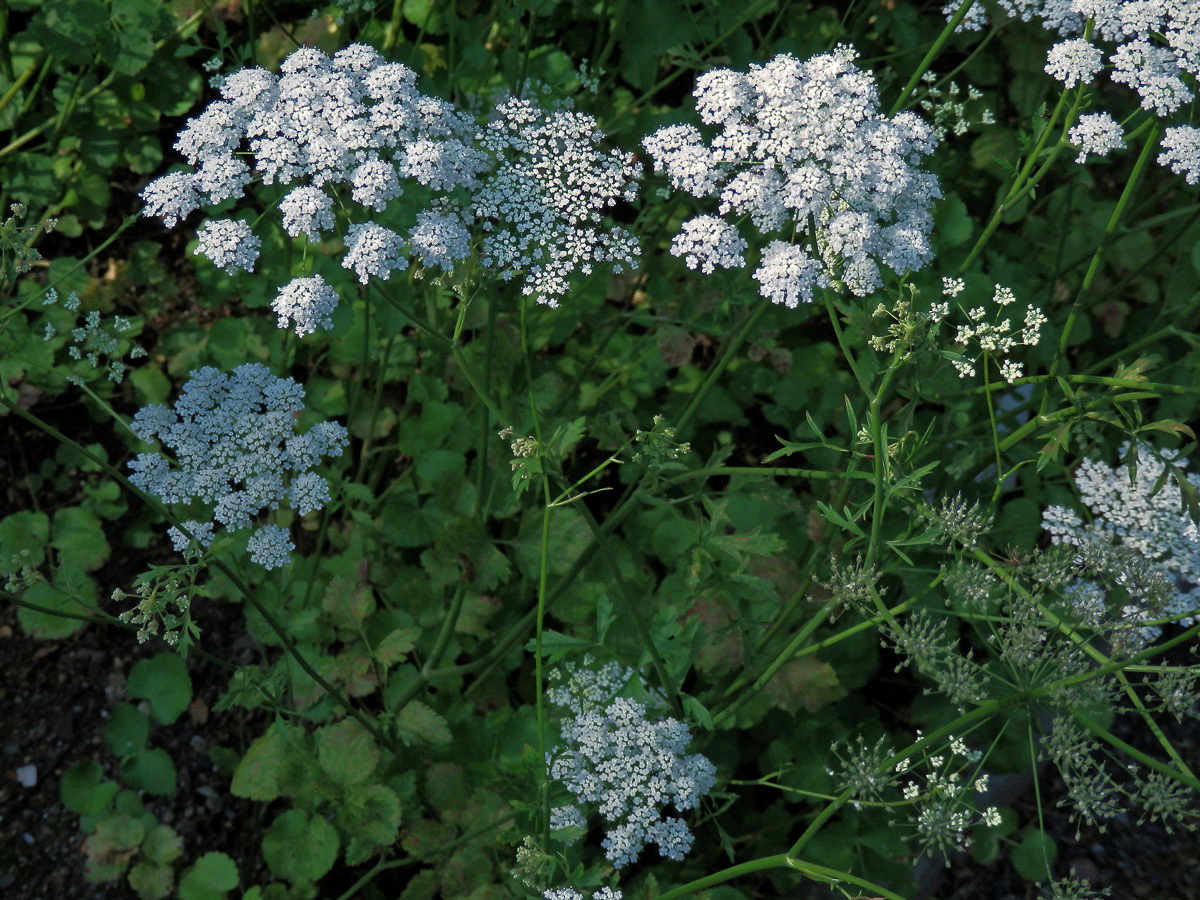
(1136, 516)
(355, 128)
(542, 207)
(229, 243)
(629, 766)
(1097, 133)
(1181, 152)
(803, 143)
(1074, 61)
(306, 302)
(234, 442)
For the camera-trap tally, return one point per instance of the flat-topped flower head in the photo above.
(629, 766)
(543, 206)
(802, 148)
(234, 447)
(1143, 516)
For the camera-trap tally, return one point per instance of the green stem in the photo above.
(1139, 167)
(727, 354)
(934, 49)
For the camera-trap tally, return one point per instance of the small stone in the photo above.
(27, 776)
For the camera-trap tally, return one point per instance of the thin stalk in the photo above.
(727, 354)
(1139, 167)
(543, 572)
(24, 77)
(931, 54)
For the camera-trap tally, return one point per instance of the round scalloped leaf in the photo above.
(73, 598)
(297, 847)
(347, 752)
(150, 770)
(83, 789)
(209, 879)
(127, 730)
(164, 681)
(23, 531)
(151, 881)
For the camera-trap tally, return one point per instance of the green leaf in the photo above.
(111, 846)
(23, 532)
(151, 881)
(370, 814)
(83, 789)
(164, 681)
(75, 597)
(152, 771)
(417, 722)
(396, 645)
(79, 538)
(297, 847)
(209, 879)
(162, 845)
(1034, 855)
(347, 752)
(953, 221)
(264, 767)
(127, 730)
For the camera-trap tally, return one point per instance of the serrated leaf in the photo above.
(162, 845)
(111, 847)
(297, 847)
(151, 881)
(417, 722)
(347, 752)
(164, 681)
(370, 814)
(396, 645)
(806, 683)
(347, 602)
(264, 767)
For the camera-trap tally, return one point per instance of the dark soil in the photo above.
(54, 700)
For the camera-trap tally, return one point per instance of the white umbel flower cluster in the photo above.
(229, 243)
(307, 302)
(543, 205)
(1136, 516)
(1181, 152)
(1097, 133)
(234, 441)
(629, 766)
(803, 143)
(995, 338)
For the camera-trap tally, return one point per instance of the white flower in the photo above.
(1097, 133)
(440, 238)
(373, 250)
(172, 197)
(233, 443)
(804, 142)
(1181, 152)
(308, 302)
(1074, 62)
(1154, 73)
(229, 243)
(787, 274)
(628, 765)
(707, 242)
(307, 210)
(543, 206)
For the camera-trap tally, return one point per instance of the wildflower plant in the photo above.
(847, 572)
